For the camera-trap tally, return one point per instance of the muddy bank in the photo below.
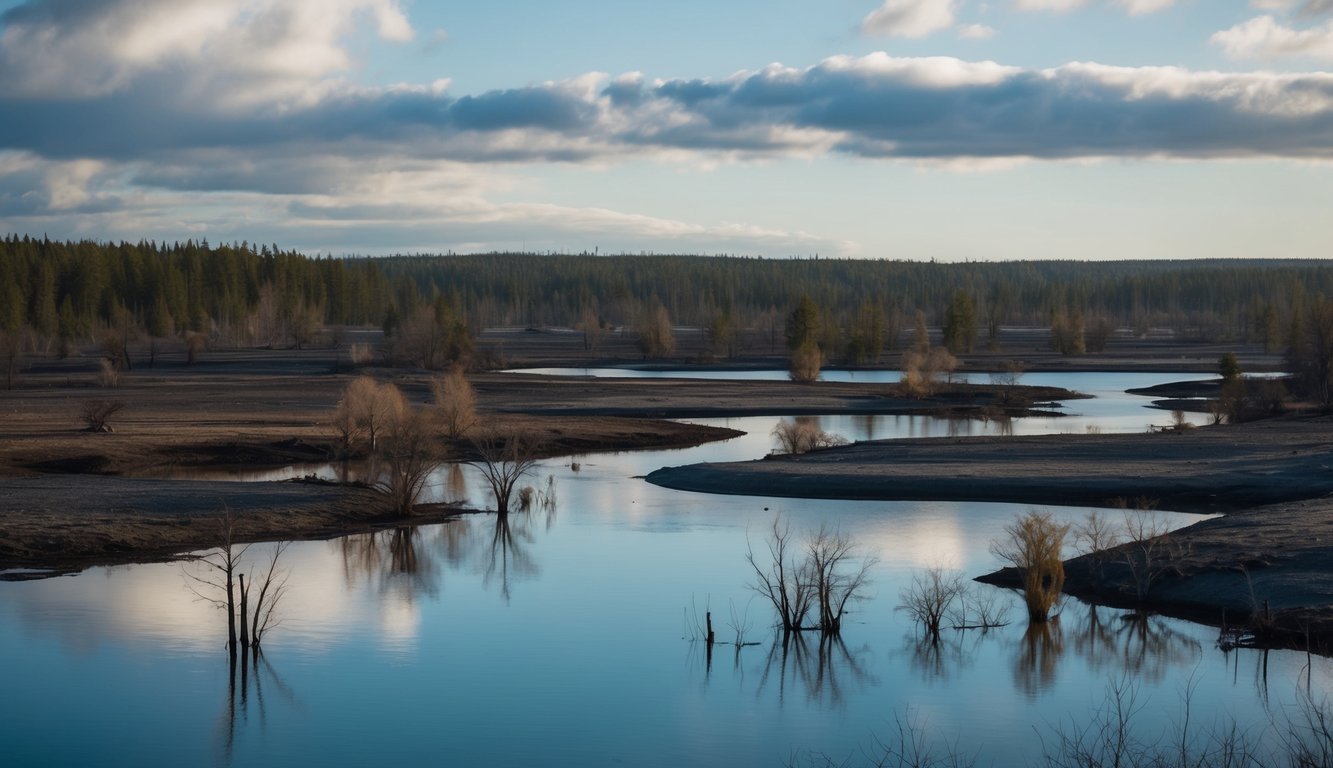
(1267, 571)
(1273, 480)
(68, 522)
(1206, 469)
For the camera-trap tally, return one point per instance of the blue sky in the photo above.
(914, 129)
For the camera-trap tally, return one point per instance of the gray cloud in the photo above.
(1312, 8)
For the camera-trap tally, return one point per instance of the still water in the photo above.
(568, 637)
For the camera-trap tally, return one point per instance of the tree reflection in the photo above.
(250, 669)
(1039, 656)
(1136, 643)
(936, 657)
(405, 558)
(822, 674)
(509, 553)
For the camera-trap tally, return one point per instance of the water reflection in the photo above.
(241, 707)
(509, 552)
(1038, 659)
(823, 673)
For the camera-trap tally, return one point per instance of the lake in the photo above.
(570, 637)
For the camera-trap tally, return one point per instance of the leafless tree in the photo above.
(96, 414)
(931, 596)
(503, 460)
(802, 434)
(806, 360)
(222, 583)
(368, 407)
(838, 577)
(455, 403)
(408, 455)
(783, 577)
(1094, 537)
(1034, 547)
(1149, 551)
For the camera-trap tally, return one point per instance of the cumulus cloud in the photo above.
(1265, 37)
(233, 51)
(910, 18)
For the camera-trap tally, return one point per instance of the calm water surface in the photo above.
(567, 637)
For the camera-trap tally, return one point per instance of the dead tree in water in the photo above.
(504, 460)
(222, 583)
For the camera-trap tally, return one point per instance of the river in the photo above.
(569, 637)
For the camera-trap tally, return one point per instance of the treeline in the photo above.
(70, 291)
(259, 294)
(1215, 300)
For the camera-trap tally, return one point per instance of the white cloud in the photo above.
(1049, 5)
(910, 18)
(1265, 38)
(236, 51)
(976, 32)
(1141, 7)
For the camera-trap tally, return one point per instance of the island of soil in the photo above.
(149, 489)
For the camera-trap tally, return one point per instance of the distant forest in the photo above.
(242, 293)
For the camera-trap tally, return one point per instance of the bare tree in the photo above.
(1094, 537)
(838, 580)
(408, 455)
(931, 596)
(1149, 551)
(96, 414)
(503, 460)
(802, 434)
(783, 578)
(1034, 547)
(455, 403)
(223, 583)
(368, 407)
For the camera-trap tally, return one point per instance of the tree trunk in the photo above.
(245, 622)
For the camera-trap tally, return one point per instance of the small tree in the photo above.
(803, 434)
(656, 338)
(1149, 551)
(455, 403)
(1229, 367)
(783, 578)
(503, 460)
(837, 579)
(1094, 538)
(96, 414)
(368, 407)
(1033, 547)
(408, 455)
(222, 583)
(806, 360)
(930, 596)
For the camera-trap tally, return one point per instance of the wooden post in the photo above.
(708, 617)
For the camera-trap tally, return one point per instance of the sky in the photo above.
(950, 130)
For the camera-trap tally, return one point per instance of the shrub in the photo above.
(1034, 547)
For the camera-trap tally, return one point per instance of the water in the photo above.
(568, 638)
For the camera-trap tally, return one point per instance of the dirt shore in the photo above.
(1273, 480)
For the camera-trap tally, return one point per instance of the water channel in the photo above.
(568, 637)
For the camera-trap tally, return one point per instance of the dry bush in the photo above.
(1149, 552)
(409, 454)
(455, 403)
(931, 596)
(96, 414)
(922, 373)
(1094, 537)
(108, 376)
(195, 343)
(367, 408)
(806, 360)
(802, 435)
(1034, 547)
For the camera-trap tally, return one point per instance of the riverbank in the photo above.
(1272, 479)
(147, 488)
